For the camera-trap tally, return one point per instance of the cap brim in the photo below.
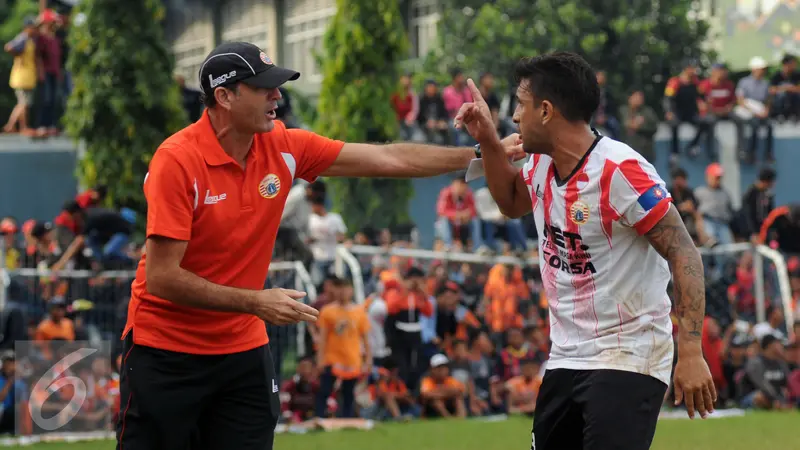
(272, 78)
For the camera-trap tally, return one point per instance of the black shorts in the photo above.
(178, 401)
(596, 410)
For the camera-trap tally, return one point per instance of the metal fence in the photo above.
(98, 302)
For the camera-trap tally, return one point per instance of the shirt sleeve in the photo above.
(171, 197)
(527, 170)
(639, 195)
(314, 153)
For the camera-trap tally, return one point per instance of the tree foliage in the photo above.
(362, 48)
(639, 43)
(125, 101)
(13, 13)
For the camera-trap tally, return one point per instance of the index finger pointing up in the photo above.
(477, 97)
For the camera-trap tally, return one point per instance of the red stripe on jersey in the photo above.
(584, 282)
(548, 272)
(651, 219)
(607, 212)
(639, 180)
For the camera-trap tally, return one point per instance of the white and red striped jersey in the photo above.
(605, 284)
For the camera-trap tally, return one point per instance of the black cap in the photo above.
(40, 229)
(234, 62)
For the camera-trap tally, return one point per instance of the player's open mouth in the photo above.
(271, 114)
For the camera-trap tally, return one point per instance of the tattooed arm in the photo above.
(670, 238)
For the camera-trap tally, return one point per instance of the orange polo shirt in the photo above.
(197, 193)
(344, 328)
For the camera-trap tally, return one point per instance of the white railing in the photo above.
(346, 255)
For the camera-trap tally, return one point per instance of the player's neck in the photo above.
(233, 142)
(570, 146)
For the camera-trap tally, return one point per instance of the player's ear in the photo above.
(547, 111)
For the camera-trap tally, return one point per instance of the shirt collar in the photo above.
(212, 151)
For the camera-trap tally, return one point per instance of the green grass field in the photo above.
(755, 431)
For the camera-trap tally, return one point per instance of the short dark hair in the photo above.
(788, 59)
(678, 173)
(456, 71)
(318, 199)
(564, 79)
(209, 101)
(72, 207)
(767, 174)
(318, 187)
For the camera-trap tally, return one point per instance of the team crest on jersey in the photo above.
(269, 186)
(579, 213)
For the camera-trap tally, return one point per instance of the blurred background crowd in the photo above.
(451, 329)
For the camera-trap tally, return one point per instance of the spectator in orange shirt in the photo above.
(392, 396)
(441, 394)
(524, 388)
(56, 325)
(501, 295)
(343, 350)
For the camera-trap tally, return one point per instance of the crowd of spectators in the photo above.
(756, 102)
(39, 77)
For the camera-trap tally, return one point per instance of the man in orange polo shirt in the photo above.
(196, 361)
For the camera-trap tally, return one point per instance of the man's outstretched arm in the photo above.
(398, 160)
(670, 238)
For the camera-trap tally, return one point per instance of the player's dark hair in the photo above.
(209, 101)
(564, 79)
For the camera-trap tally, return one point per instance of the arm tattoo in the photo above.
(670, 238)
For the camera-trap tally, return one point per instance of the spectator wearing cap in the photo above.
(605, 117)
(785, 86)
(455, 95)
(406, 304)
(24, 75)
(12, 391)
(765, 382)
(432, 116)
(492, 220)
(720, 96)
(684, 103)
(457, 216)
(9, 247)
(406, 106)
(441, 394)
(757, 202)
(51, 73)
(752, 94)
(639, 125)
(715, 206)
